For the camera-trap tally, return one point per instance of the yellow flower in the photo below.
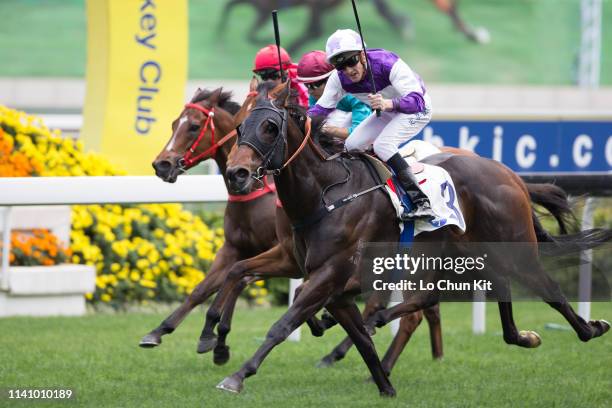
(148, 283)
(105, 297)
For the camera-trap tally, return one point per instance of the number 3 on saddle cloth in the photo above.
(436, 184)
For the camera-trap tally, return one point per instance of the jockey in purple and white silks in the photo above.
(402, 98)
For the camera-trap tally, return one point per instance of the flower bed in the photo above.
(140, 252)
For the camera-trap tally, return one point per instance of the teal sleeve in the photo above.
(359, 110)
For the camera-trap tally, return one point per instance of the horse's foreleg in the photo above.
(208, 338)
(372, 306)
(276, 264)
(226, 256)
(432, 315)
(311, 299)
(347, 314)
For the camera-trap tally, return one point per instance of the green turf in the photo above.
(533, 41)
(98, 356)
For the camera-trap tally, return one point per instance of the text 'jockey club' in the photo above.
(150, 71)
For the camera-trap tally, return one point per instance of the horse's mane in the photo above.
(297, 112)
(225, 100)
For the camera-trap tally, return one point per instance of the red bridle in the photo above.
(209, 114)
(188, 159)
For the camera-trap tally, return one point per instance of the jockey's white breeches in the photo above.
(387, 132)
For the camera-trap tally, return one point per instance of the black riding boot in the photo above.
(422, 207)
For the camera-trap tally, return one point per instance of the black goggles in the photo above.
(271, 75)
(348, 62)
(314, 85)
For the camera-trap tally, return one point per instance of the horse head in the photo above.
(262, 146)
(197, 133)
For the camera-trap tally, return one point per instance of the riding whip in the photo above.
(277, 39)
(365, 52)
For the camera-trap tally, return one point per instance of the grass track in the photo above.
(98, 356)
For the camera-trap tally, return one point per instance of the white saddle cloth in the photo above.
(437, 185)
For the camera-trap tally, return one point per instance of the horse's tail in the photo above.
(554, 199)
(570, 243)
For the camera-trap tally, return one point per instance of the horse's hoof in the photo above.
(534, 338)
(206, 344)
(371, 330)
(230, 384)
(602, 326)
(325, 362)
(388, 392)
(221, 355)
(482, 35)
(150, 340)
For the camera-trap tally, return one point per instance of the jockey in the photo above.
(404, 103)
(313, 70)
(266, 67)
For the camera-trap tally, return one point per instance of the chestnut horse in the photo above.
(276, 138)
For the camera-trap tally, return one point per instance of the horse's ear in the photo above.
(215, 97)
(196, 93)
(253, 84)
(287, 93)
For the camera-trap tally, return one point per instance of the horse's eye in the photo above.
(194, 127)
(270, 127)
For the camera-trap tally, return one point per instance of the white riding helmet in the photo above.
(340, 42)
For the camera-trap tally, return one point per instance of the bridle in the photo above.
(269, 157)
(188, 160)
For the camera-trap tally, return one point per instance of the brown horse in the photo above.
(276, 138)
(251, 227)
(319, 8)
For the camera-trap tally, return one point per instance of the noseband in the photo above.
(272, 159)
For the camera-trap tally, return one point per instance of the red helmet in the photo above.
(267, 58)
(314, 67)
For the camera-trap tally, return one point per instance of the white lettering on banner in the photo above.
(150, 71)
(609, 150)
(581, 150)
(524, 159)
(498, 133)
(428, 136)
(466, 141)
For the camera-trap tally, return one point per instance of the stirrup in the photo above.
(420, 211)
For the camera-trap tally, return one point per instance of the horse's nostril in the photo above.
(242, 174)
(162, 165)
(238, 175)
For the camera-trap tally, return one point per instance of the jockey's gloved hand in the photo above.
(377, 101)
